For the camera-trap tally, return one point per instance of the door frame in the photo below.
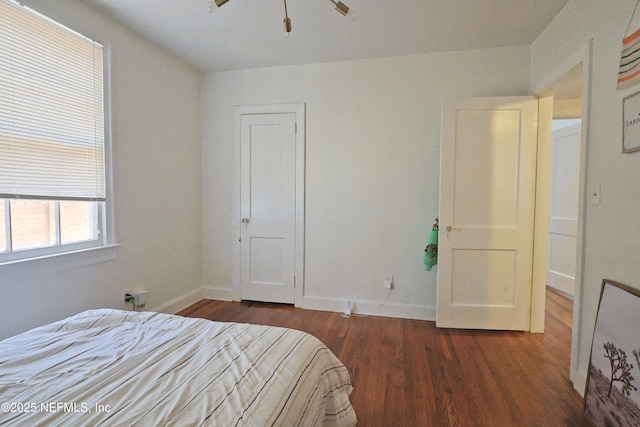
(541, 215)
(299, 109)
(584, 57)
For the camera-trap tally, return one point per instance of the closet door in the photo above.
(268, 202)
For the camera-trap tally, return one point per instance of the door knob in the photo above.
(245, 220)
(449, 228)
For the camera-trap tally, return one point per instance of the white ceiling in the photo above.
(249, 33)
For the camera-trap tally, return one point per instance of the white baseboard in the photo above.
(561, 282)
(222, 294)
(579, 381)
(370, 308)
(338, 305)
(180, 302)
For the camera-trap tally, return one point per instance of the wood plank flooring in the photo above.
(410, 373)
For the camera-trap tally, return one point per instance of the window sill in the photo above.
(54, 263)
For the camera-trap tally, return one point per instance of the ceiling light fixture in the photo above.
(340, 7)
(343, 9)
(215, 3)
(286, 21)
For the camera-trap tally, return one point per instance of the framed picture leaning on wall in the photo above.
(631, 123)
(612, 396)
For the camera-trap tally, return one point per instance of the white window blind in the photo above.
(51, 109)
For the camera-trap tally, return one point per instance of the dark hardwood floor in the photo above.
(410, 373)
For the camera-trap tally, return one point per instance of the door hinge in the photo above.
(296, 128)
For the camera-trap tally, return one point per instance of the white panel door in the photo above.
(563, 208)
(267, 198)
(487, 191)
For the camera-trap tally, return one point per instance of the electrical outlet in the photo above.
(140, 297)
(128, 297)
(137, 298)
(388, 281)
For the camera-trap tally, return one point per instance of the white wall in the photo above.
(156, 148)
(372, 168)
(612, 228)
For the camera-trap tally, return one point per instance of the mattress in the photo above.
(112, 367)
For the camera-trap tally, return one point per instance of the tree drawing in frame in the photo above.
(620, 369)
(612, 397)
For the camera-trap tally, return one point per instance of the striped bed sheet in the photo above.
(122, 368)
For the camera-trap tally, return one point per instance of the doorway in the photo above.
(563, 205)
(568, 87)
(564, 188)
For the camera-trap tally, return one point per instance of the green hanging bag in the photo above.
(430, 257)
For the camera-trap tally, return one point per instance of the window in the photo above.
(52, 137)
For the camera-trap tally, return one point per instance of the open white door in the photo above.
(268, 206)
(487, 201)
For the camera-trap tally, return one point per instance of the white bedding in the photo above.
(112, 367)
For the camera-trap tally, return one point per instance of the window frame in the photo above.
(57, 247)
(76, 254)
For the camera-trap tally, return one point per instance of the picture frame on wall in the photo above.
(612, 395)
(631, 123)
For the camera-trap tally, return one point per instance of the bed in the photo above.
(113, 367)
